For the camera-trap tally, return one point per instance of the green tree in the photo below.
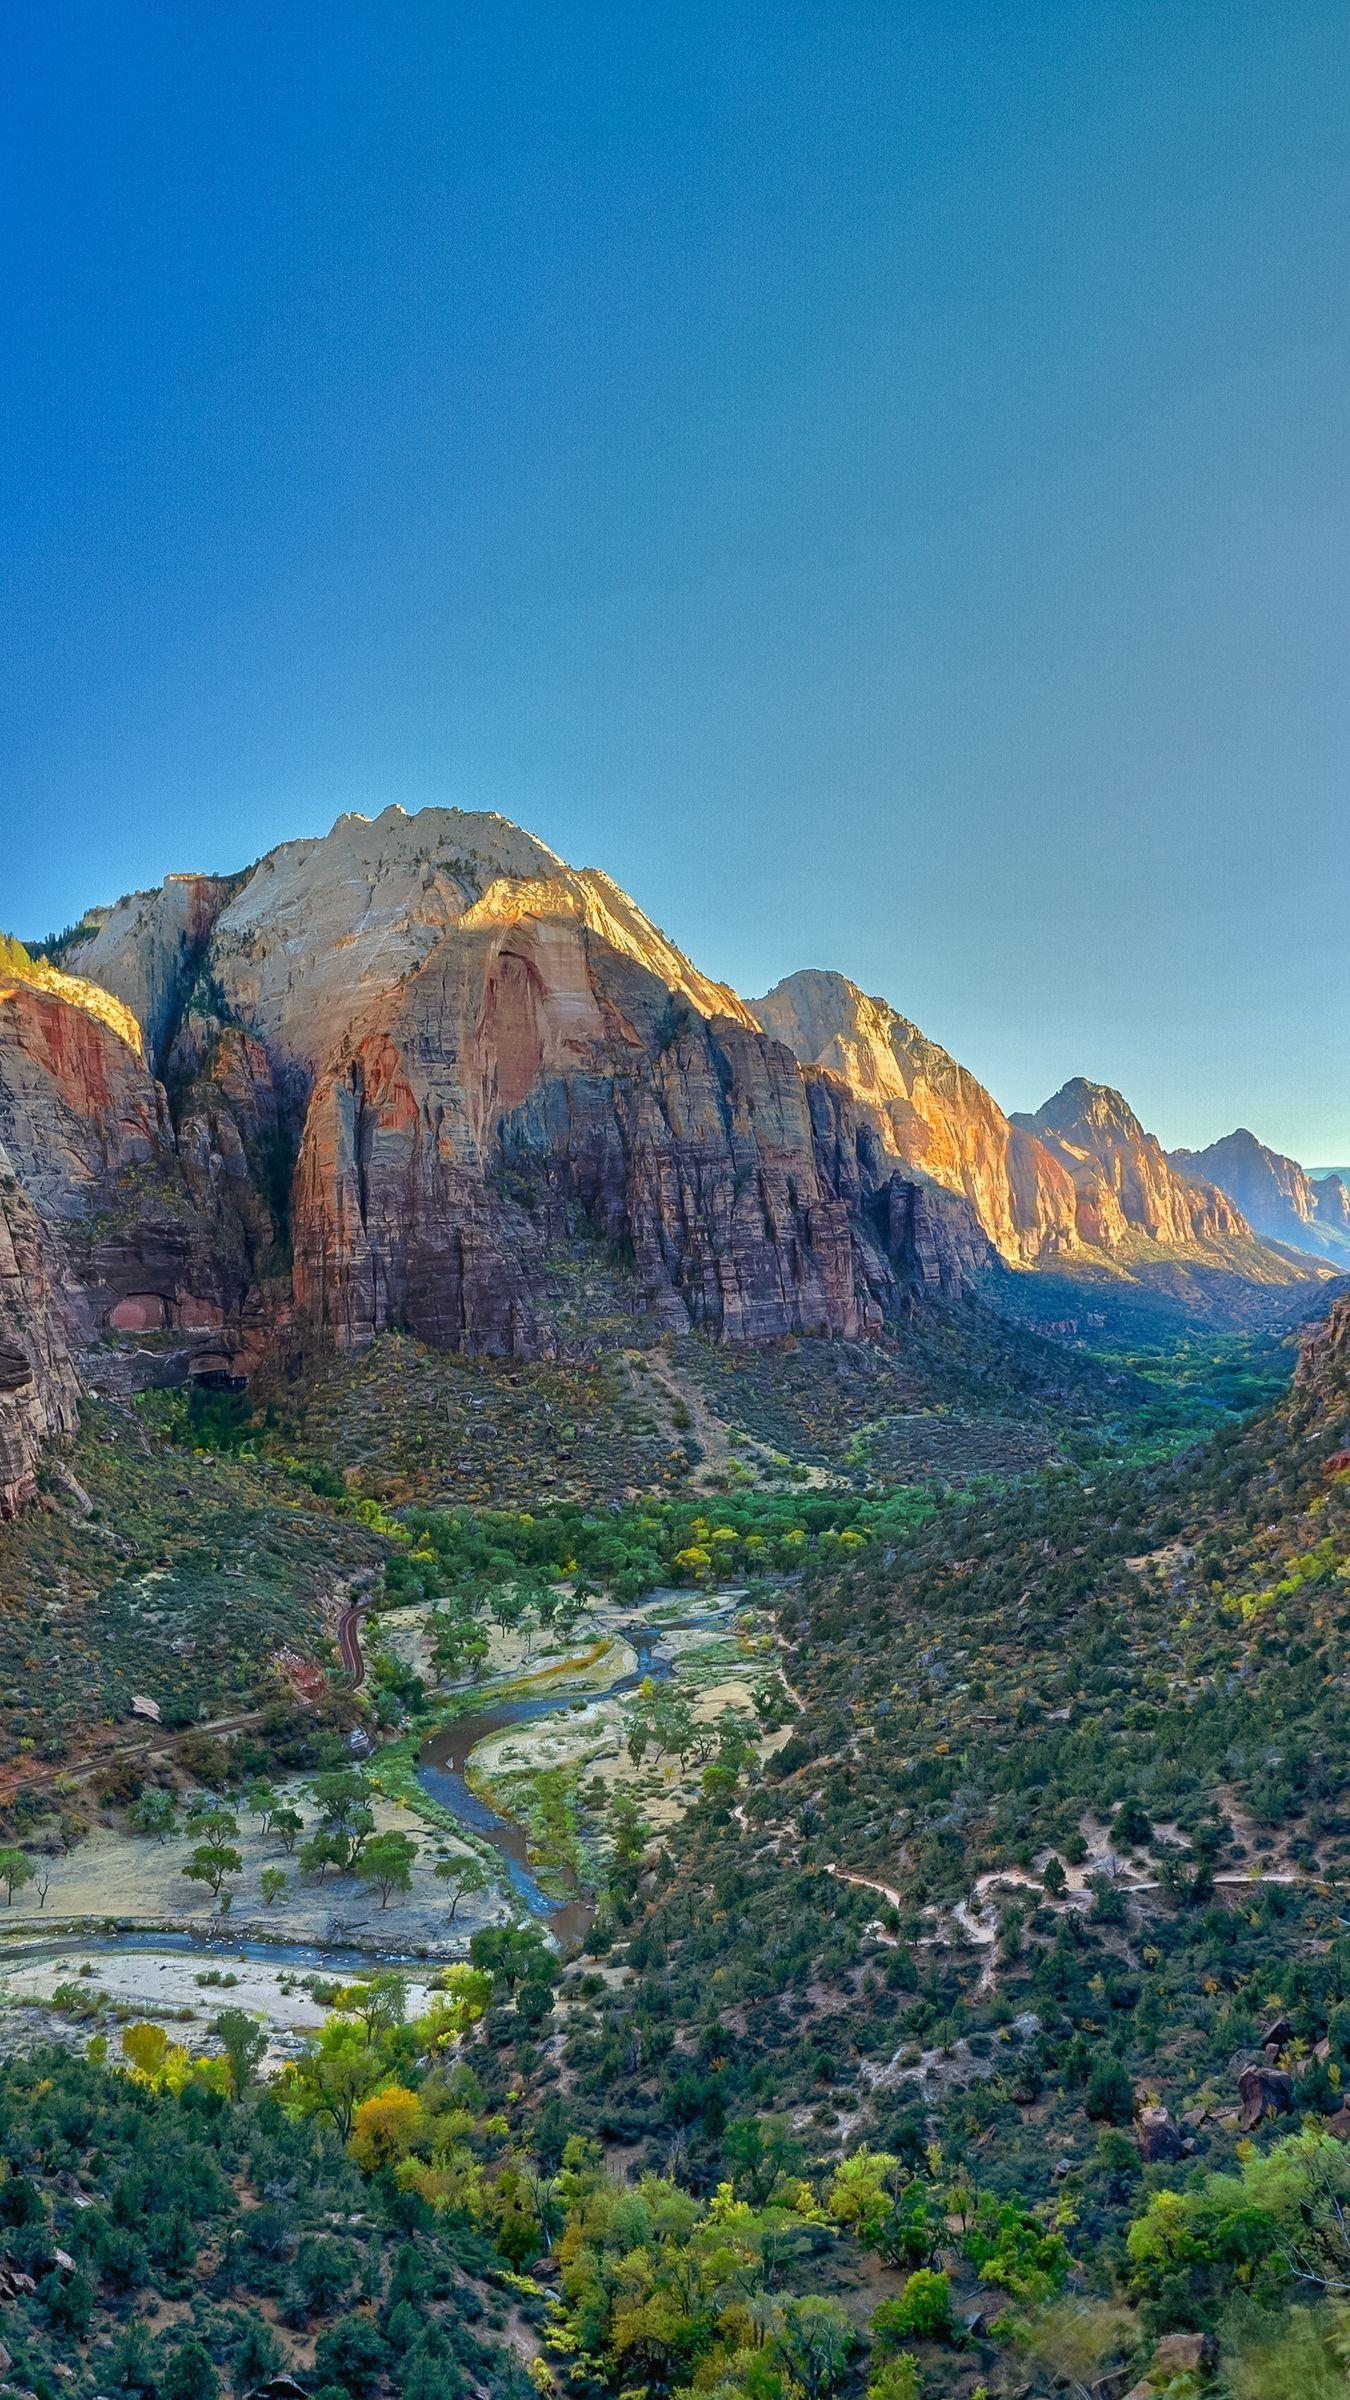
(333, 2074)
(351, 2354)
(244, 2042)
(153, 1813)
(1109, 2096)
(15, 1871)
(387, 1861)
(210, 1863)
(287, 1825)
(323, 2273)
(923, 2312)
(815, 2340)
(190, 2374)
(258, 2356)
(465, 1875)
(761, 2154)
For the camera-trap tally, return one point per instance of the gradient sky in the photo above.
(876, 478)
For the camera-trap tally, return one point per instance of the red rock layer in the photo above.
(529, 1069)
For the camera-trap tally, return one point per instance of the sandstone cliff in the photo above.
(534, 1066)
(301, 947)
(153, 1238)
(397, 1070)
(1125, 1183)
(1081, 1178)
(929, 1110)
(148, 950)
(1275, 1194)
(1322, 1379)
(39, 1321)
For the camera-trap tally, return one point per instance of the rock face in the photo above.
(1124, 1180)
(1276, 1195)
(928, 1110)
(148, 950)
(1323, 1370)
(534, 1068)
(39, 1320)
(152, 1239)
(1081, 1176)
(77, 1106)
(310, 941)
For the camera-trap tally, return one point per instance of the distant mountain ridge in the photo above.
(384, 1078)
(1079, 1179)
(1278, 1197)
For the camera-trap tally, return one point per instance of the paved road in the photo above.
(349, 1640)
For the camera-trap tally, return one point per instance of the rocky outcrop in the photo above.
(321, 933)
(89, 1140)
(535, 1071)
(1124, 1181)
(39, 1321)
(77, 1105)
(426, 1052)
(1276, 1195)
(1323, 1370)
(148, 950)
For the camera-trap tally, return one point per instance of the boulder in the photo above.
(1157, 2136)
(1183, 2354)
(1265, 2093)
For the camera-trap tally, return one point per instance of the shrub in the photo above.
(922, 2313)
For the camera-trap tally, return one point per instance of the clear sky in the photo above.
(876, 478)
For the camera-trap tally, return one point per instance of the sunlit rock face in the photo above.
(464, 1044)
(1275, 1194)
(388, 1077)
(155, 1230)
(535, 1066)
(320, 932)
(148, 950)
(1124, 1180)
(77, 1103)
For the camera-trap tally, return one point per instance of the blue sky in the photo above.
(873, 477)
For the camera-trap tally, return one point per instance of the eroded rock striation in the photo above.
(1081, 1177)
(1125, 1183)
(39, 1324)
(534, 1070)
(930, 1112)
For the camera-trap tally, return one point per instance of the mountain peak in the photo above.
(1097, 1107)
(1276, 1195)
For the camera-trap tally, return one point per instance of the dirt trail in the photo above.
(681, 1392)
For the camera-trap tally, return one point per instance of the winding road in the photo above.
(350, 1652)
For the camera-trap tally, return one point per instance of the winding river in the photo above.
(441, 1773)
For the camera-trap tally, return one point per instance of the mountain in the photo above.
(1278, 1197)
(389, 1076)
(929, 1110)
(393, 1077)
(1081, 1179)
(1125, 1184)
